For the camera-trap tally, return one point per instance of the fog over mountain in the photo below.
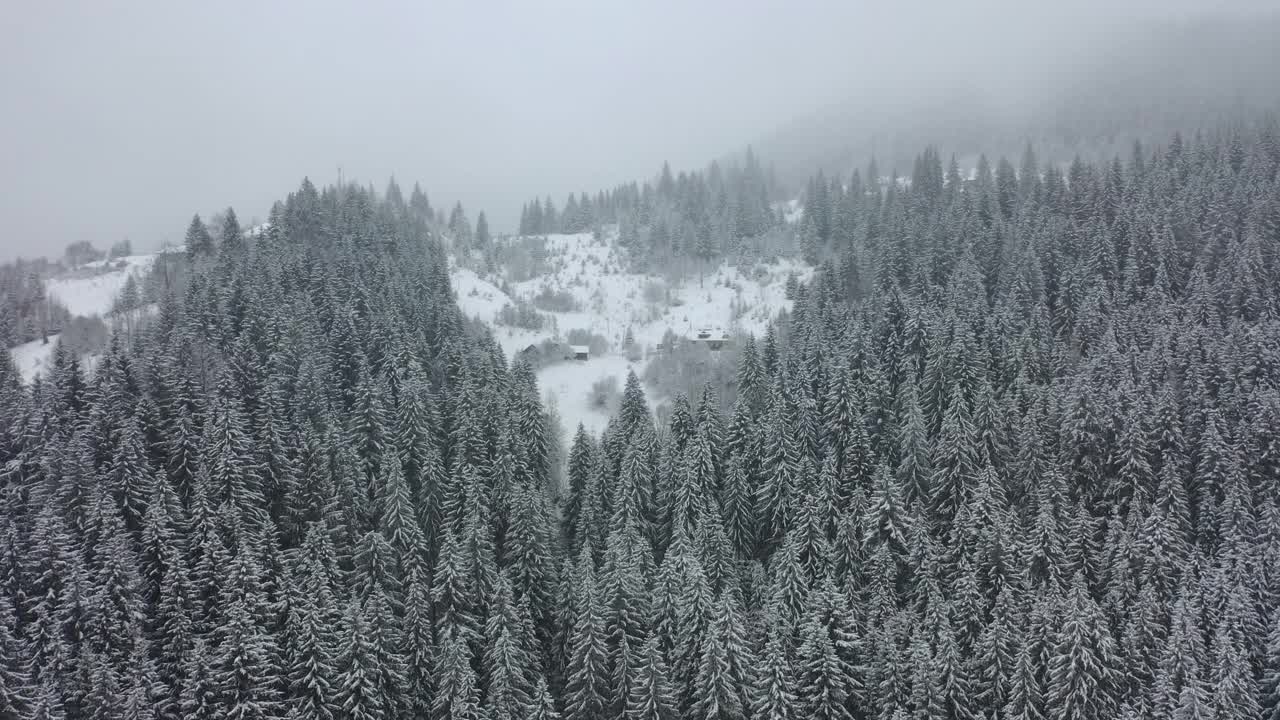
(146, 112)
(1131, 81)
(740, 361)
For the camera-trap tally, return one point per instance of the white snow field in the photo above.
(611, 301)
(87, 290)
(32, 358)
(793, 210)
(568, 384)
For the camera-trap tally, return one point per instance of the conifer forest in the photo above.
(992, 433)
(1014, 453)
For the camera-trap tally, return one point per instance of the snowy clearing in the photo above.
(569, 383)
(90, 289)
(726, 300)
(793, 210)
(32, 358)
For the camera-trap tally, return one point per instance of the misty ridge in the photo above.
(577, 104)
(640, 363)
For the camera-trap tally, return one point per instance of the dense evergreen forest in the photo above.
(26, 311)
(725, 211)
(1014, 454)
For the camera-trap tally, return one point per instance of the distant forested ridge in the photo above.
(1015, 454)
(1087, 98)
(677, 219)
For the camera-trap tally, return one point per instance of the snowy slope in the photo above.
(91, 289)
(87, 290)
(32, 358)
(611, 301)
(480, 298)
(569, 383)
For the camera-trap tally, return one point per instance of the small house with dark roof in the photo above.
(714, 339)
(533, 354)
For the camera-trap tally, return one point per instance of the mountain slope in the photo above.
(608, 302)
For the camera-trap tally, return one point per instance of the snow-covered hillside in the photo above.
(90, 290)
(610, 301)
(31, 358)
(727, 300)
(87, 290)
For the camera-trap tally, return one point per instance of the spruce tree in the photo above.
(1269, 686)
(721, 687)
(457, 695)
(1082, 667)
(587, 674)
(313, 677)
(357, 690)
(200, 696)
(651, 696)
(246, 667)
(198, 241)
(16, 691)
(823, 687)
(508, 662)
(774, 690)
(418, 644)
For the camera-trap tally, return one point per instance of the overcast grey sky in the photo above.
(123, 118)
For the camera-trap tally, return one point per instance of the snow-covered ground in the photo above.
(90, 290)
(727, 300)
(569, 383)
(32, 358)
(612, 300)
(87, 290)
(793, 210)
